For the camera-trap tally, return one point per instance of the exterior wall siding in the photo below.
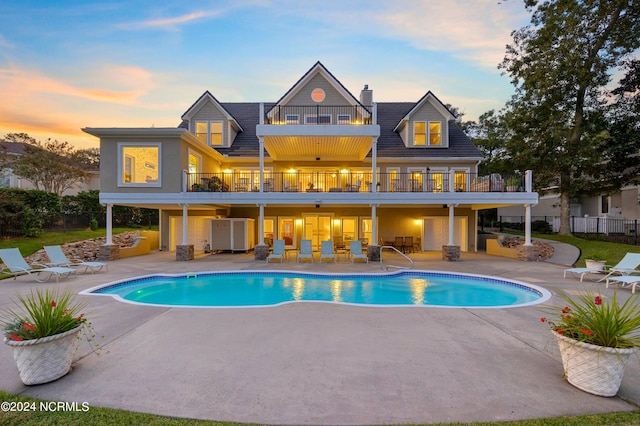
(332, 96)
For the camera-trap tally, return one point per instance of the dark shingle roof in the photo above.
(247, 114)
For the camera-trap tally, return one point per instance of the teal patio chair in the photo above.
(356, 251)
(278, 251)
(16, 265)
(327, 251)
(306, 251)
(58, 258)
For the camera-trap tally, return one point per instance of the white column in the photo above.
(261, 225)
(109, 225)
(451, 180)
(261, 146)
(451, 223)
(528, 181)
(374, 166)
(374, 226)
(184, 224)
(527, 225)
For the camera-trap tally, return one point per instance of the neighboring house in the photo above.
(8, 179)
(318, 164)
(618, 212)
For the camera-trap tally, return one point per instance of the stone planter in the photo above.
(46, 359)
(595, 264)
(594, 369)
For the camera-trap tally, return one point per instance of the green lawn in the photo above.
(611, 252)
(109, 416)
(29, 246)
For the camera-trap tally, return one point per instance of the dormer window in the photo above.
(209, 132)
(427, 133)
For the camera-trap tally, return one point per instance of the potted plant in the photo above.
(596, 337)
(595, 260)
(43, 333)
(513, 183)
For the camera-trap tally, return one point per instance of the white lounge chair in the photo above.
(626, 266)
(58, 258)
(16, 265)
(356, 251)
(306, 251)
(278, 251)
(327, 252)
(625, 280)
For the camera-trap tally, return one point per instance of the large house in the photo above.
(318, 164)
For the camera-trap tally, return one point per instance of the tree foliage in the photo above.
(560, 66)
(52, 166)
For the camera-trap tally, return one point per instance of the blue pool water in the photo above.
(267, 288)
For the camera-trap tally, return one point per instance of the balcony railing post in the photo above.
(528, 180)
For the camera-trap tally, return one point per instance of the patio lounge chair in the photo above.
(327, 251)
(16, 265)
(630, 280)
(306, 251)
(278, 251)
(356, 251)
(58, 258)
(626, 266)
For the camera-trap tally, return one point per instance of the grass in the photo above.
(612, 253)
(29, 246)
(109, 416)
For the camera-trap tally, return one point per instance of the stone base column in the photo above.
(373, 253)
(451, 253)
(528, 253)
(260, 252)
(109, 252)
(184, 253)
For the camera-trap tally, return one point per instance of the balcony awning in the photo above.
(311, 148)
(308, 143)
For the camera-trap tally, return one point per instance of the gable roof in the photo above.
(318, 68)
(431, 98)
(207, 96)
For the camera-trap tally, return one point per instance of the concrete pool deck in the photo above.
(317, 363)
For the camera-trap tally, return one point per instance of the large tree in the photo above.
(560, 65)
(51, 166)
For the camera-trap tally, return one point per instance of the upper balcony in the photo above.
(313, 115)
(351, 182)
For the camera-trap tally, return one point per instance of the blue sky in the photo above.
(65, 65)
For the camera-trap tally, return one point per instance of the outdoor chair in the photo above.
(398, 243)
(356, 252)
(626, 266)
(327, 251)
(625, 280)
(16, 265)
(58, 258)
(278, 251)
(306, 251)
(408, 244)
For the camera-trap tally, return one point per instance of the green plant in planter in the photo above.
(46, 313)
(513, 181)
(591, 319)
(596, 255)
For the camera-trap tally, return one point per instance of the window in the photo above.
(344, 119)
(605, 200)
(419, 133)
(139, 164)
(195, 161)
(434, 133)
(292, 118)
(460, 181)
(209, 132)
(318, 119)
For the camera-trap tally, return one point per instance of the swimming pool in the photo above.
(269, 288)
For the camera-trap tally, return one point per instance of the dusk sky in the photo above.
(65, 65)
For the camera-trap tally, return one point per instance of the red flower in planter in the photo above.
(28, 326)
(597, 300)
(53, 303)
